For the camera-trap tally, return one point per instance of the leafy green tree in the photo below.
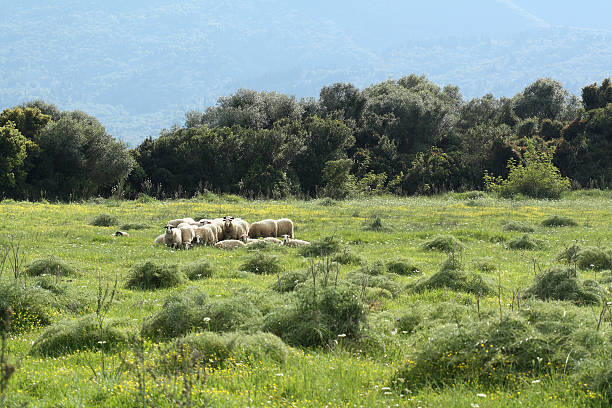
(29, 121)
(343, 101)
(336, 180)
(13, 146)
(432, 171)
(594, 97)
(546, 98)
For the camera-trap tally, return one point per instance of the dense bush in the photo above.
(263, 264)
(31, 305)
(445, 243)
(321, 247)
(152, 276)
(559, 221)
(402, 267)
(104, 220)
(50, 266)
(192, 310)
(198, 270)
(525, 242)
(563, 284)
(452, 276)
(317, 316)
(83, 334)
(594, 258)
(518, 226)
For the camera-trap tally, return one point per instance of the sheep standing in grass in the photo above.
(262, 229)
(285, 227)
(207, 234)
(175, 223)
(173, 237)
(234, 228)
(218, 227)
(188, 235)
(230, 244)
(294, 242)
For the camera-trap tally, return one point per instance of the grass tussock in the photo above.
(104, 220)
(262, 263)
(347, 257)
(559, 221)
(518, 226)
(444, 243)
(376, 223)
(149, 276)
(402, 267)
(563, 284)
(452, 276)
(82, 334)
(288, 281)
(133, 226)
(31, 305)
(198, 270)
(596, 259)
(525, 243)
(51, 266)
(321, 247)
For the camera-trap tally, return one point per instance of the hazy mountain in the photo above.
(140, 65)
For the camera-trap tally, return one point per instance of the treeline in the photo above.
(401, 136)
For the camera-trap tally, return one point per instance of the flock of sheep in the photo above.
(227, 233)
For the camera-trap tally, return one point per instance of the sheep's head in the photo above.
(228, 223)
(285, 239)
(203, 222)
(244, 238)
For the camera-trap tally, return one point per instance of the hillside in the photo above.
(139, 66)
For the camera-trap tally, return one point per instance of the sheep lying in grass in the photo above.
(234, 228)
(284, 227)
(273, 240)
(245, 238)
(230, 244)
(121, 234)
(160, 240)
(173, 237)
(264, 228)
(294, 242)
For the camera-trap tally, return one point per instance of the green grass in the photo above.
(345, 372)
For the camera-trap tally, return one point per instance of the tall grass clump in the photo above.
(192, 310)
(375, 224)
(594, 258)
(346, 257)
(104, 220)
(288, 281)
(317, 316)
(402, 267)
(525, 243)
(262, 264)
(452, 276)
(563, 284)
(559, 221)
(82, 334)
(198, 270)
(152, 276)
(30, 305)
(50, 266)
(444, 243)
(133, 226)
(518, 226)
(321, 247)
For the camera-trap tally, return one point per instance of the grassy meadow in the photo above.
(366, 370)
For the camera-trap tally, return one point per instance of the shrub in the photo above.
(559, 221)
(198, 270)
(539, 178)
(563, 284)
(51, 284)
(484, 264)
(402, 267)
(525, 242)
(451, 276)
(321, 247)
(50, 266)
(263, 264)
(375, 224)
(518, 226)
(289, 280)
(104, 220)
(151, 276)
(30, 305)
(594, 258)
(82, 334)
(133, 226)
(445, 243)
(192, 310)
(569, 255)
(346, 257)
(316, 318)
(364, 280)
(374, 268)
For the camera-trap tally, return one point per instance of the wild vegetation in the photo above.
(434, 309)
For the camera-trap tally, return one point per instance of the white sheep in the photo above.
(207, 234)
(218, 225)
(188, 235)
(175, 223)
(294, 242)
(160, 240)
(273, 240)
(173, 237)
(230, 244)
(264, 228)
(234, 228)
(245, 238)
(285, 227)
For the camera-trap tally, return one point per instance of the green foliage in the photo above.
(317, 316)
(198, 270)
(288, 281)
(149, 275)
(563, 284)
(50, 266)
(376, 224)
(104, 220)
(485, 264)
(559, 221)
(364, 280)
(525, 243)
(402, 267)
(14, 147)
(444, 243)
(335, 178)
(31, 305)
(518, 226)
(192, 310)
(133, 226)
(263, 264)
(594, 258)
(82, 334)
(347, 257)
(321, 247)
(451, 276)
(538, 178)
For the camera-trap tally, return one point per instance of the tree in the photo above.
(342, 101)
(594, 97)
(546, 98)
(13, 146)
